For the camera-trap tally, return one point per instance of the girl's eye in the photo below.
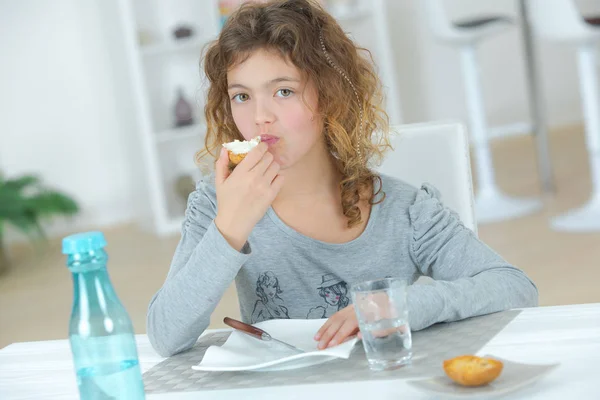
(240, 98)
(284, 93)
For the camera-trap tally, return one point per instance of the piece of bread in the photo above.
(235, 159)
(237, 149)
(471, 370)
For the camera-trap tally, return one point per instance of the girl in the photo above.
(268, 305)
(335, 294)
(304, 203)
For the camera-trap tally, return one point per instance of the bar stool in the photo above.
(491, 204)
(559, 20)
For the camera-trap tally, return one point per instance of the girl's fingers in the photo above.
(349, 327)
(329, 333)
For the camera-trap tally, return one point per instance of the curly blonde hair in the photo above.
(294, 28)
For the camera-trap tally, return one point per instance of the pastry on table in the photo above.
(237, 150)
(471, 370)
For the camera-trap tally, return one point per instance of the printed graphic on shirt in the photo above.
(334, 292)
(269, 305)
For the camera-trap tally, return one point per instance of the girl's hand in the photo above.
(339, 327)
(244, 195)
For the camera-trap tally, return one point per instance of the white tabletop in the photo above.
(569, 335)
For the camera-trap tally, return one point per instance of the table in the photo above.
(569, 335)
(535, 98)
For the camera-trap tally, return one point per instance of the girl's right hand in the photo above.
(244, 195)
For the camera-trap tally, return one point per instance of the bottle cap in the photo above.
(83, 242)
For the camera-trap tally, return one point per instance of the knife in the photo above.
(257, 333)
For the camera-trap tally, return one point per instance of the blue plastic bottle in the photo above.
(100, 330)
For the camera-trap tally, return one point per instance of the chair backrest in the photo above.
(557, 20)
(435, 153)
(438, 21)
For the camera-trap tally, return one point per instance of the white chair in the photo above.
(559, 20)
(490, 203)
(436, 153)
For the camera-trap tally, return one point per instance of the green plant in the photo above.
(24, 203)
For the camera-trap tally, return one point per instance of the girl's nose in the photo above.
(263, 116)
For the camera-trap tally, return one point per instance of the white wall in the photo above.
(58, 114)
(64, 109)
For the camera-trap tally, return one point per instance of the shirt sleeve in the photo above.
(470, 279)
(203, 267)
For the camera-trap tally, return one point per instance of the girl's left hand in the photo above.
(338, 328)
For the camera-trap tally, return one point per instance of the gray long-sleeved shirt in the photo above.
(280, 273)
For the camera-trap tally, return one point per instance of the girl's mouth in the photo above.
(269, 139)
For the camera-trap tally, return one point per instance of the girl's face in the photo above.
(266, 95)
(270, 291)
(331, 298)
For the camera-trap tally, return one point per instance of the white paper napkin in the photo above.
(242, 352)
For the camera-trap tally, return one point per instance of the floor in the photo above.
(36, 294)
